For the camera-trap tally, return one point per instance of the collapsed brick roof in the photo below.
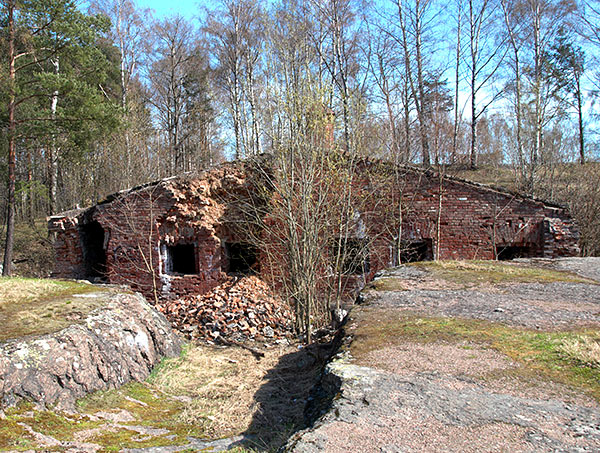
(189, 177)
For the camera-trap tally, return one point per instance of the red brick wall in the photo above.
(204, 211)
(468, 223)
(69, 256)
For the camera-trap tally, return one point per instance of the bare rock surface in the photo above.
(115, 344)
(559, 304)
(533, 305)
(388, 401)
(194, 445)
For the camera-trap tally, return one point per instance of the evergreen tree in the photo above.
(53, 94)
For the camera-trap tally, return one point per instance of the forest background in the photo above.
(103, 96)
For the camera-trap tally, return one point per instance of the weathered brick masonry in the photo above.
(181, 235)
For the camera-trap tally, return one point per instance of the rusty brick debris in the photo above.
(242, 308)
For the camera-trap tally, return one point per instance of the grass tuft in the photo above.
(494, 272)
(582, 349)
(388, 284)
(220, 387)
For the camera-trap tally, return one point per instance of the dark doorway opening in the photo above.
(181, 259)
(511, 252)
(94, 256)
(354, 256)
(416, 251)
(242, 258)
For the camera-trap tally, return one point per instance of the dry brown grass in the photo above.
(37, 306)
(220, 382)
(584, 349)
(15, 290)
(230, 392)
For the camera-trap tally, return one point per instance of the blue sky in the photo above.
(186, 8)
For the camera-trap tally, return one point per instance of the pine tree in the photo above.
(53, 91)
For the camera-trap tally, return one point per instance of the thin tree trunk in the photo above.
(53, 155)
(342, 77)
(537, 146)
(518, 109)
(30, 196)
(10, 218)
(474, 46)
(422, 120)
(473, 156)
(580, 121)
(456, 85)
(438, 239)
(406, 102)
(253, 108)
(392, 126)
(418, 96)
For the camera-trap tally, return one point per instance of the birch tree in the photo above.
(485, 55)
(178, 76)
(234, 34)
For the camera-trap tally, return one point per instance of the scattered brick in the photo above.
(242, 308)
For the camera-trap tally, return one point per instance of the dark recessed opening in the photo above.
(242, 258)
(94, 255)
(354, 256)
(416, 251)
(510, 252)
(181, 259)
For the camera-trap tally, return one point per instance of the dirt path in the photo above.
(461, 364)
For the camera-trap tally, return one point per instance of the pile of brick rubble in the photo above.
(239, 309)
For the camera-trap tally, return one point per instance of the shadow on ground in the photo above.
(282, 399)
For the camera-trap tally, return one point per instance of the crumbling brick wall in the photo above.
(142, 225)
(192, 218)
(460, 219)
(69, 255)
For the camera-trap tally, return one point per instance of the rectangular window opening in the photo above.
(415, 251)
(181, 259)
(354, 256)
(241, 258)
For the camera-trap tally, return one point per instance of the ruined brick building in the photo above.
(181, 235)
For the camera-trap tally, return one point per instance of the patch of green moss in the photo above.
(59, 426)
(125, 438)
(14, 437)
(495, 272)
(149, 407)
(540, 353)
(387, 284)
(137, 398)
